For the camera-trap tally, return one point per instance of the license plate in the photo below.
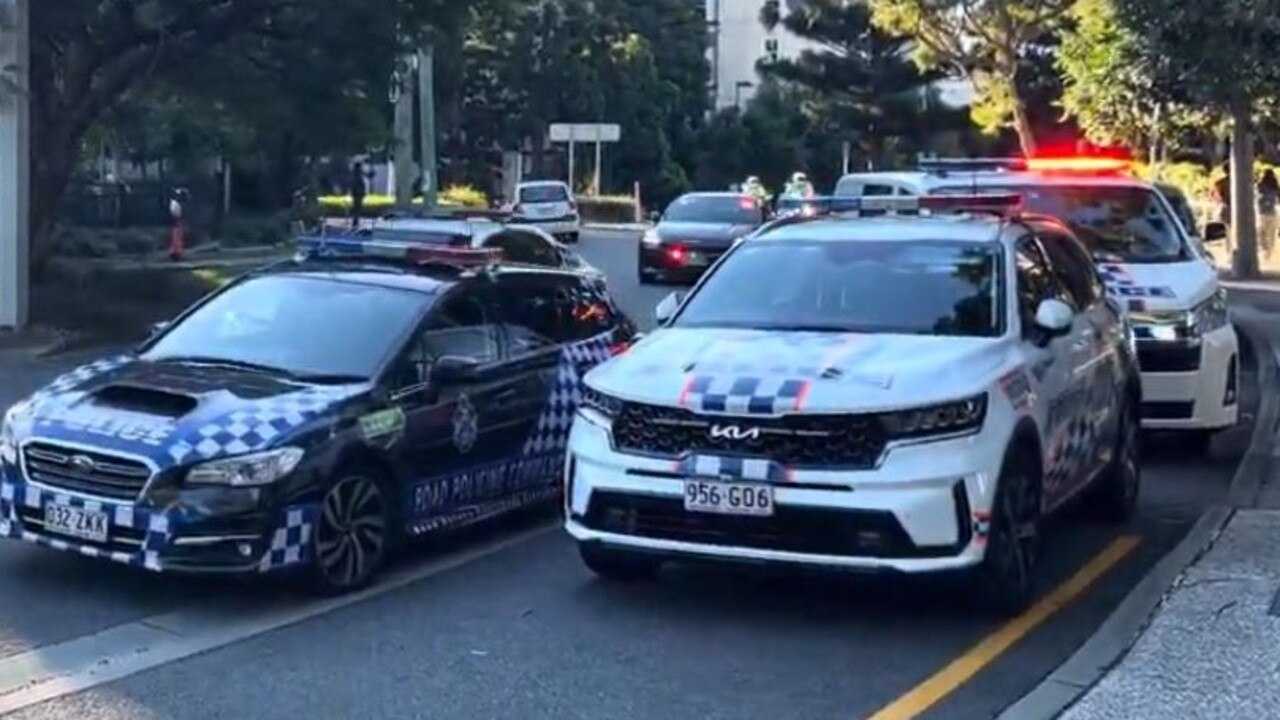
(75, 522)
(733, 498)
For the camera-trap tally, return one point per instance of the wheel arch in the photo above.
(377, 461)
(1025, 438)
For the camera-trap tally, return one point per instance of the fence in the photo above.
(146, 203)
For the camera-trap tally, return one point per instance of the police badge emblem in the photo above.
(464, 425)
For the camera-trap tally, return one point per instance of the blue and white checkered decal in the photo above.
(1119, 282)
(293, 541)
(244, 431)
(713, 466)
(551, 433)
(84, 373)
(1070, 449)
(744, 395)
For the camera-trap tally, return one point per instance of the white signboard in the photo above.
(585, 132)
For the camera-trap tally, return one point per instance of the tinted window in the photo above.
(1116, 223)
(464, 325)
(298, 324)
(875, 190)
(1036, 282)
(591, 311)
(524, 248)
(532, 311)
(936, 288)
(726, 209)
(1073, 268)
(543, 193)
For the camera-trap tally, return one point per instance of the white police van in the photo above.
(909, 394)
(1187, 348)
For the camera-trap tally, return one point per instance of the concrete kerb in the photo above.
(1113, 638)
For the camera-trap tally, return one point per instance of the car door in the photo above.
(455, 444)
(1105, 373)
(1056, 363)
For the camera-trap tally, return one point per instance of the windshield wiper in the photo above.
(226, 362)
(329, 378)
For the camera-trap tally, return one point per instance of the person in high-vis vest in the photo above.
(178, 227)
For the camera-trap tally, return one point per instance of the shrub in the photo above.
(465, 196)
(243, 230)
(378, 204)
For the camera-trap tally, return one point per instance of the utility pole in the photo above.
(402, 90)
(714, 30)
(15, 162)
(427, 126)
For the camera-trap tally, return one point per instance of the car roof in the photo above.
(1016, 179)
(907, 177)
(715, 193)
(365, 273)
(907, 228)
(467, 227)
(535, 183)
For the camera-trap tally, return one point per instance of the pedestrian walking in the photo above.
(177, 225)
(1268, 198)
(358, 187)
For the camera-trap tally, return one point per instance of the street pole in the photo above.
(403, 131)
(572, 137)
(595, 183)
(427, 111)
(15, 164)
(846, 150)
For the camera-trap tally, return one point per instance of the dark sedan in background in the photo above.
(694, 232)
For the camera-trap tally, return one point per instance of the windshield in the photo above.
(719, 209)
(297, 325)
(929, 288)
(543, 193)
(1117, 223)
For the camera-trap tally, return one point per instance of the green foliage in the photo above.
(1109, 87)
(608, 209)
(991, 42)
(464, 196)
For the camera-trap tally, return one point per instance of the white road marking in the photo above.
(117, 652)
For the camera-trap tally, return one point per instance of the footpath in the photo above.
(1199, 637)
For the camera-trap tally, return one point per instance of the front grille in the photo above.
(811, 530)
(1168, 357)
(85, 471)
(1168, 410)
(828, 441)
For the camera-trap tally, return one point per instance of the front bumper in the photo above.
(912, 514)
(1191, 386)
(239, 532)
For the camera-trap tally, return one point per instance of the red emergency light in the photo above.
(1079, 164)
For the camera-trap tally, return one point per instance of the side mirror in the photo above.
(1054, 317)
(451, 369)
(667, 308)
(1215, 232)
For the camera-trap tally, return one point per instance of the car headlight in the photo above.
(605, 406)
(942, 419)
(651, 238)
(9, 433)
(253, 470)
(1210, 315)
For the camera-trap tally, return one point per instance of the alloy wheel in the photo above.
(351, 533)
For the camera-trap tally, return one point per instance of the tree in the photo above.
(986, 41)
(87, 54)
(859, 79)
(1108, 87)
(1219, 53)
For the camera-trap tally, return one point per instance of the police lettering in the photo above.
(490, 482)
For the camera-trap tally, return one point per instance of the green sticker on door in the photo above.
(382, 423)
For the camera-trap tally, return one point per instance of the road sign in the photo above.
(585, 132)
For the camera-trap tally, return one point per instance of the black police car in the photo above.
(696, 229)
(312, 414)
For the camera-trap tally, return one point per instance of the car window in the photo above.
(723, 209)
(1116, 223)
(532, 312)
(543, 194)
(302, 325)
(1036, 282)
(464, 325)
(590, 310)
(1073, 268)
(926, 287)
(872, 190)
(524, 248)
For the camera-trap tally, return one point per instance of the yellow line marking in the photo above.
(959, 671)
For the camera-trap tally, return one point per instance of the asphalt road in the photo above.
(505, 623)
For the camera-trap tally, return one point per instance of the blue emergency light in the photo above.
(996, 203)
(365, 247)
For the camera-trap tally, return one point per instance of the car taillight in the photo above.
(676, 254)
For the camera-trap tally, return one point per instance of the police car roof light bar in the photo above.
(990, 164)
(998, 203)
(1080, 164)
(314, 247)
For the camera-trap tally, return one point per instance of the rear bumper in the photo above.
(566, 225)
(658, 260)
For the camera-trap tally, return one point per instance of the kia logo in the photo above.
(83, 463)
(734, 432)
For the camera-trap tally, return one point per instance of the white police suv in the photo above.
(1150, 262)
(906, 394)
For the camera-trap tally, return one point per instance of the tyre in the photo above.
(1116, 496)
(1005, 582)
(618, 565)
(352, 534)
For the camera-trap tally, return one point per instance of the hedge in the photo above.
(378, 204)
(608, 209)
